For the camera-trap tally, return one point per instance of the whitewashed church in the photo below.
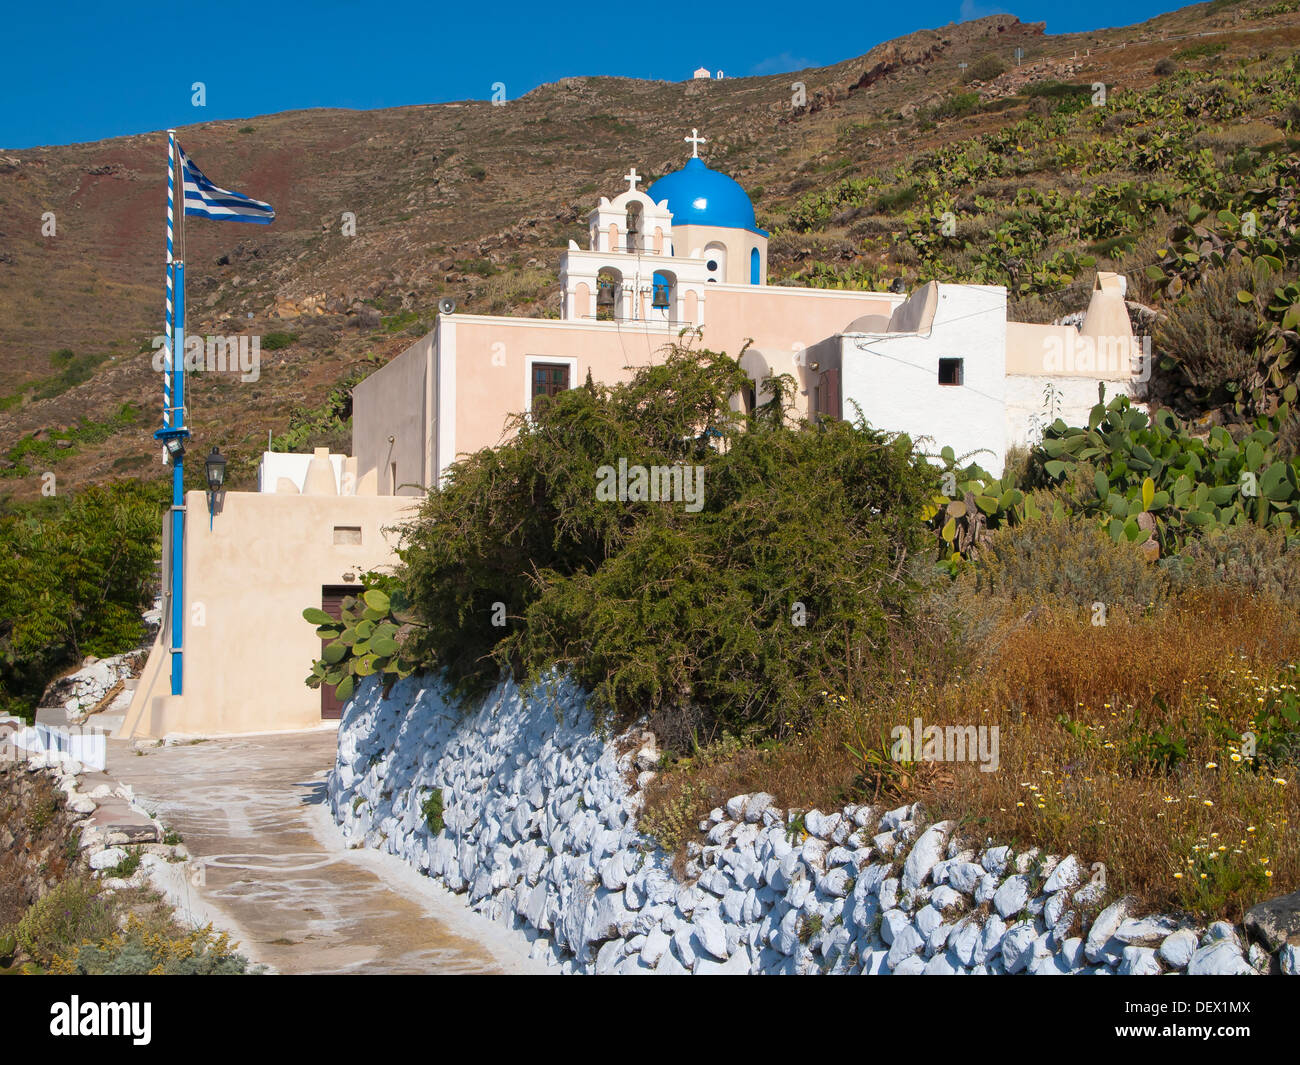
(686, 253)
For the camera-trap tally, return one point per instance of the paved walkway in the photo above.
(277, 875)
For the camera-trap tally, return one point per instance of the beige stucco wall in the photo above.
(396, 401)
(492, 359)
(472, 371)
(784, 318)
(247, 581)
(1063, 351)
(1103, 348)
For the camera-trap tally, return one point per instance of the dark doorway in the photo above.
(331, 601)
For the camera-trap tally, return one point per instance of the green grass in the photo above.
(1201, 51)
(31, 454)
(70, 369)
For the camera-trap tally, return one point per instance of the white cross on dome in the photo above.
(695, 140)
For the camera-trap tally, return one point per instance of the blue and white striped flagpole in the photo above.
(173, 421)
(178, 490)
(171, 334)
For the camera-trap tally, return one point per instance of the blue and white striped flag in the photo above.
(205, 200)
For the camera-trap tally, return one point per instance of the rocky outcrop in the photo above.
(100, 684)
(537, 826)
(35, 825)
(1276, 926)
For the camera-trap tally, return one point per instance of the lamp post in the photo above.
(215, 468)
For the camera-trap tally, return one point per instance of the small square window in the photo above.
(951, 372)
(347, 534)
(549, 379)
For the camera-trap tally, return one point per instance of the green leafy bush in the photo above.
(276, 341)
(143, 951)
(733, 616)
(68, 914)
(1064, 97)
(126, 868)
(1154, 479)
(75, 575)
(34, 453)
(432, 811)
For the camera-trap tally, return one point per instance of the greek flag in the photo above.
(204, 199)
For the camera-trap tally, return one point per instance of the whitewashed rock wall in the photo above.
(540, 831)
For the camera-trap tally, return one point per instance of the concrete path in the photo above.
(276, 874)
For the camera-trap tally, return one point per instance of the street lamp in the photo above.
(215, 467)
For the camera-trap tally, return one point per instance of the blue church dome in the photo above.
(698, 196)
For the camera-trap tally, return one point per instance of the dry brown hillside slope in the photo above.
(465, 199)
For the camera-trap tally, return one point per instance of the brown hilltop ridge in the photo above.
(915, 50)
(463, 199)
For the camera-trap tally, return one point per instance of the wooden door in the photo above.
(331, 601)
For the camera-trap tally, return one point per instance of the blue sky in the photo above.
(84, 71)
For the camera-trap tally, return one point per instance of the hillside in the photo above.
(477, 201)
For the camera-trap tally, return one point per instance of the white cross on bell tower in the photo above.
(632, 178)
(695, 140)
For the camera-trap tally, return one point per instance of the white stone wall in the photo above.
(540, 832)
(1076, 396)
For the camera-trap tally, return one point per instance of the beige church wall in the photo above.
(916, 313)
(583, 307)
(805, 366)
(248, 579)
(1103, 348)
(1063, 351)
(784, 318)
(489, 357)
(394, 401)
(1107, 313)
(493, 356)
(478, 367)
(818, 361)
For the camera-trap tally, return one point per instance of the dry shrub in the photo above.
(1145, 251)
(1047, 307)
(1211, 334)
(1067, 561)
(1228, 140)
(1256, 560)
(1112, 740)
(1152, 777)
(1063, 659)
